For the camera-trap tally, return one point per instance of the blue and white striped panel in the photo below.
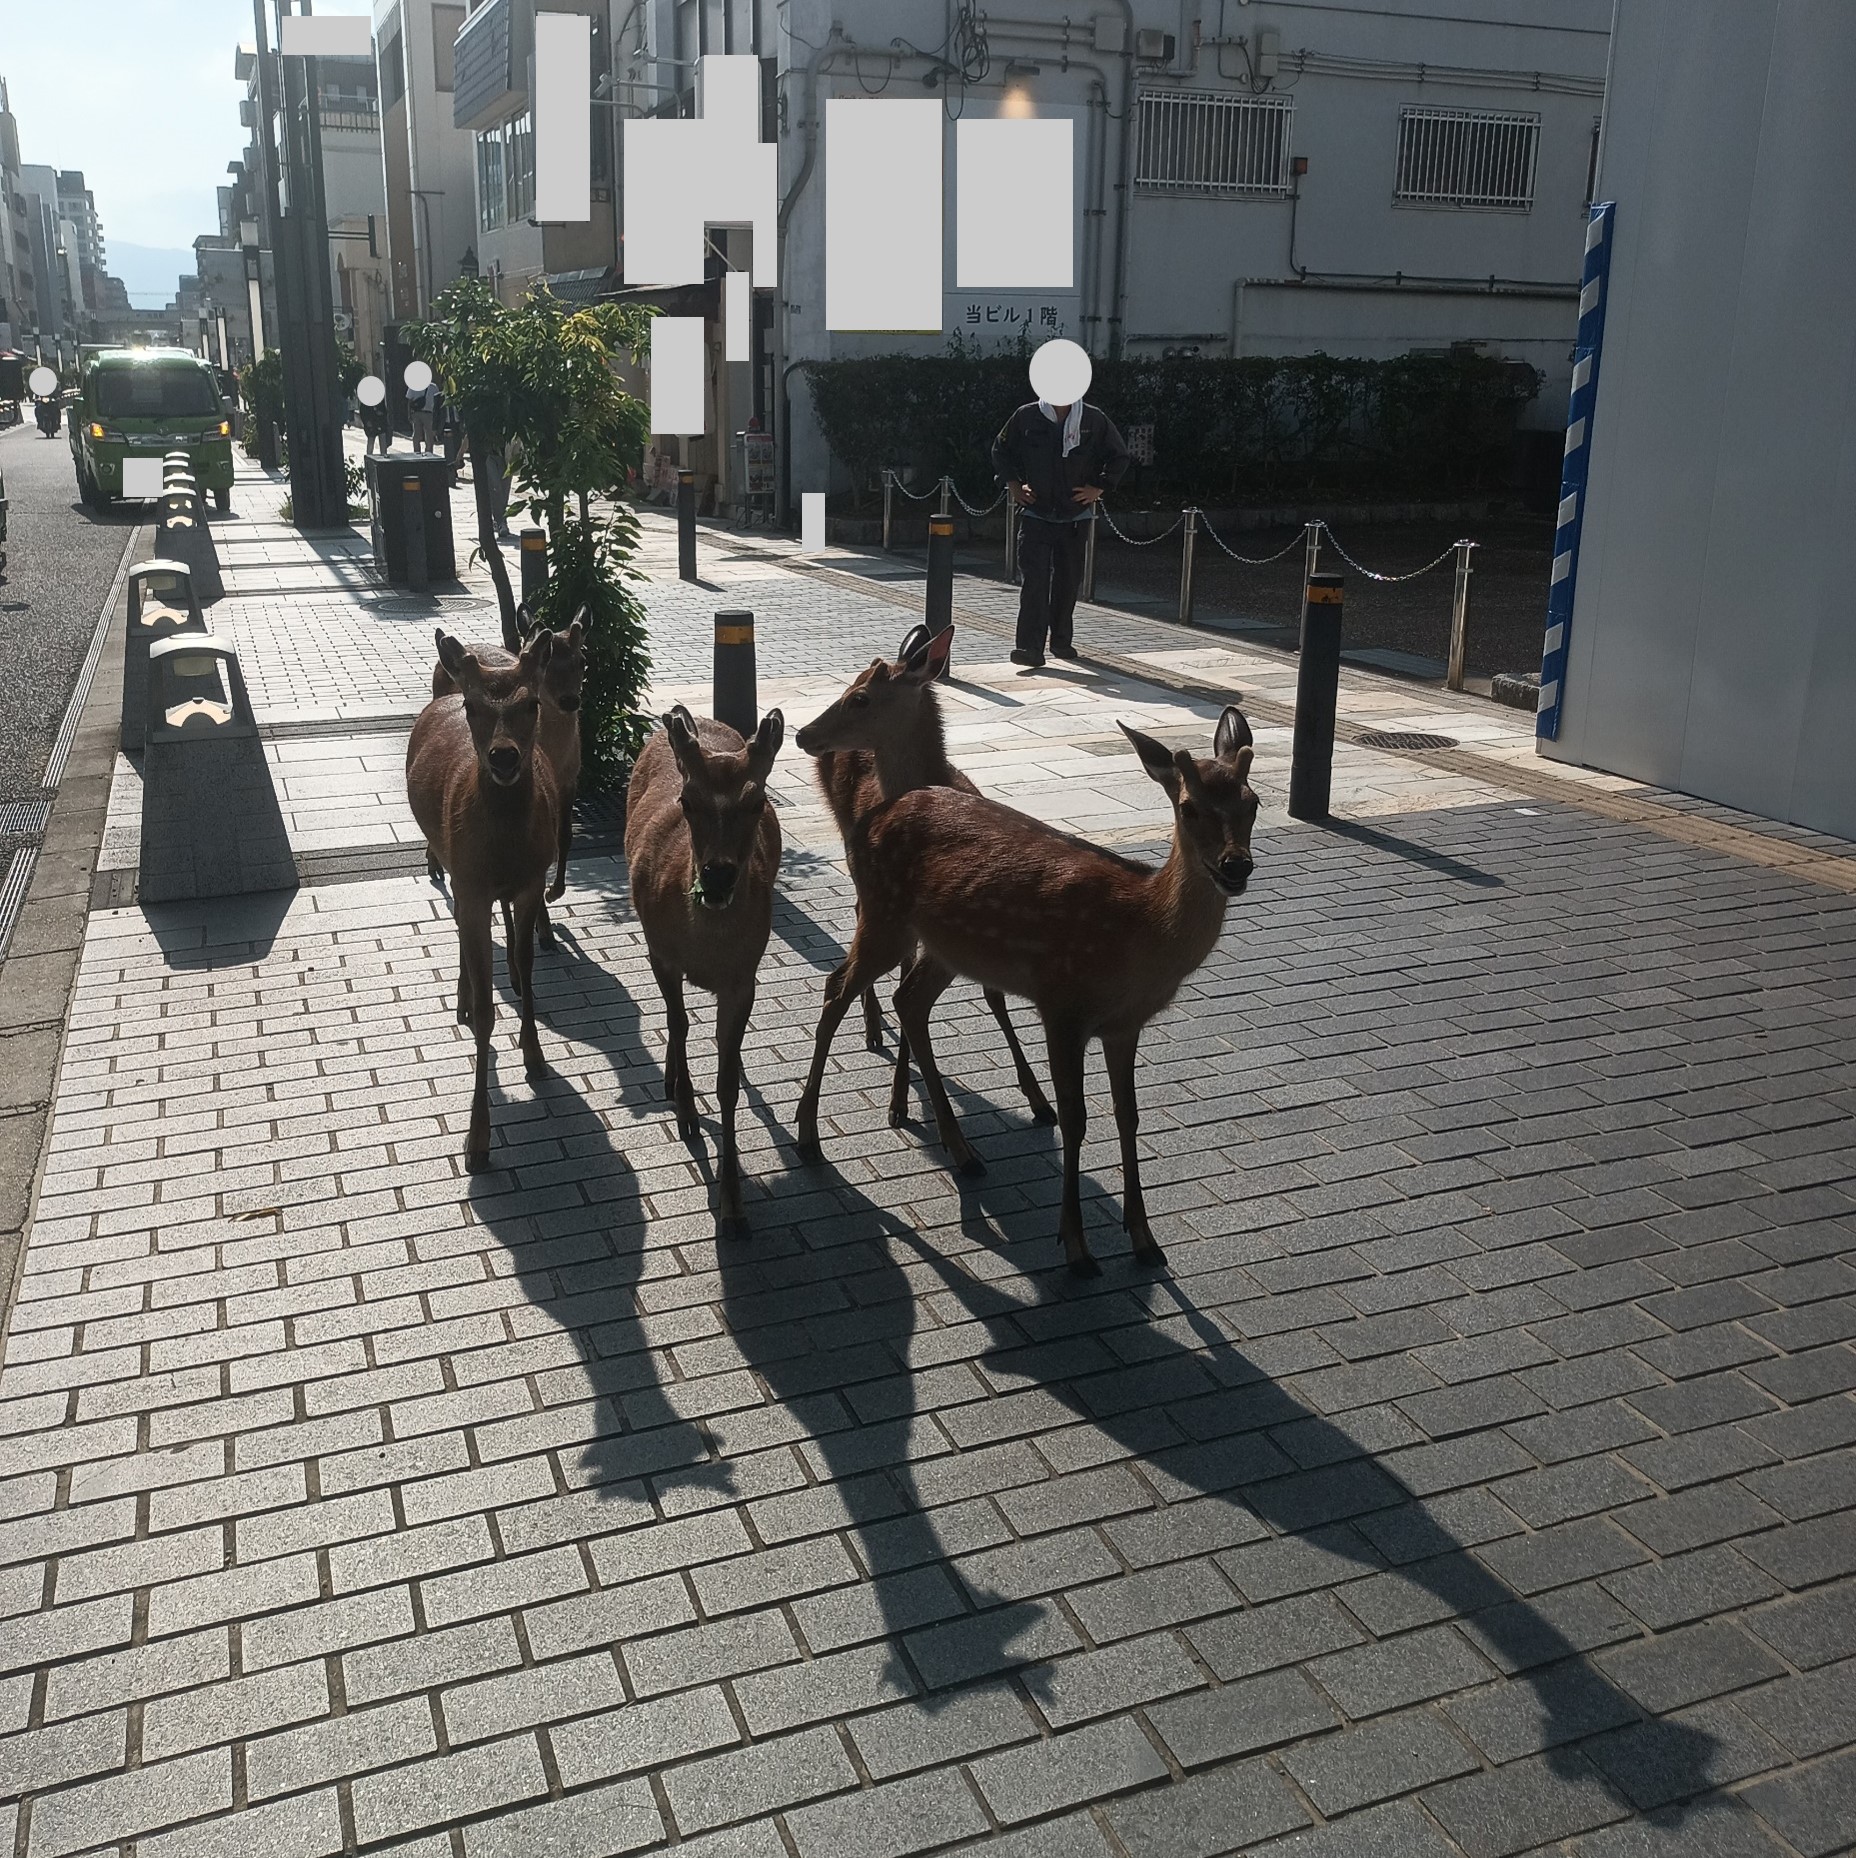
(1594, 285)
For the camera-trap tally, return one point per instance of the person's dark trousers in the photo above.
(1050, 556)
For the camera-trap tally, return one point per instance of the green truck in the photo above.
(145, 403)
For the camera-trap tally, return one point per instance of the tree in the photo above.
(538, 385)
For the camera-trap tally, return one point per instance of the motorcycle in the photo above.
(48, 412)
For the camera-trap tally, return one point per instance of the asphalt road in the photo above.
(61, 560)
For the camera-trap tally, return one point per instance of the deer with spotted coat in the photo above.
(1098, 943)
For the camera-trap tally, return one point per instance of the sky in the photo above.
(140, 95)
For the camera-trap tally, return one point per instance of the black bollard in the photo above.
(938, 607)
(686, 526)
(736, 701)
(534, 556)
(1317, 697)
(418, 569)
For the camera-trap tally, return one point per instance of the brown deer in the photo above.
(880, 739)
(561, 689)
(703, 847)
(487, 804)
(1098, 943)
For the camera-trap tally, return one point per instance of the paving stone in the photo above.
(1118, 1677)
(1813, 1807)
(1086, 1764)
(338, 1747)
(446, 1788)
(526, 1699)
(890, 1821)
(1399, 1830)
(1812, 1629)
(701, 1654)
(1360, 1766)
(1227, 1810)
(1687, 1666)
(643, 1735)
(1723, 1827)
(1261, 1638)
(747, 1782)
(1710, 1746)
(598, 1824)
(951, 1728)
(227, 1712)
(1522, 1805)
(1554, 1704)
(1370, 1679)
(831, 1687)
(1686, 1587)
(1810, 1714)
(102, 1812)
(1240, 1718)
(308, 1826)
(447, 1657)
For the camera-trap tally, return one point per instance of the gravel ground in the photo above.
(1508, 594)
(60, 562)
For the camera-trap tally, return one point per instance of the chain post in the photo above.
(1311, 545)
(1089, 553)
(1187, 541)
(1459, 616)
(947, 491)
(889, 499)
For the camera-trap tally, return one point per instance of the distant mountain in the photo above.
(149, 272)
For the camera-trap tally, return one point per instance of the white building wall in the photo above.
(444, 183)
(1215, 272)
(1713, 643)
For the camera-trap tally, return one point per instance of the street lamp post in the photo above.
(305, 309)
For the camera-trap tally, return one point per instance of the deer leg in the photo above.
(433, 869)
(731, 1024)
(867, 962)
(1041, 1112)
(921, 987)
(522, 959)
(873, 1021)
(1118, 1050)
(899, 1077)
(544, 929)
(476, 953)
(677, 1085)
(558, 888)
(1066, 1075)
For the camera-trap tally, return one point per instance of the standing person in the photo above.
(421, 404)
(1056, 456)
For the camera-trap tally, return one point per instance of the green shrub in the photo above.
(1259, 427)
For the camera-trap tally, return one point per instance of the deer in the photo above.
(561, 690)
(880, 739)
(1098, 943)
(703, 848)
(490, 811)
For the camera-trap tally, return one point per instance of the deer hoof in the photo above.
(477, 1160)
(811, 1154)
(557, 890)
(732, 1226)
(544, 938)
(535, 1068)
(1150, 1257)
(1041, 1112)
(971, 1169)
(1085, 1266)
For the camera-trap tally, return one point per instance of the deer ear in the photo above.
(940, 649)
(538, 653)
(766, 744)
(917, 665)
(577, 631)
(456, 657)
(680, 726)
(1156, 757)
(1233, 733)
(525, 620)
(912, 642)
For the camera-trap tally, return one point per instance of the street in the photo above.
(61, 560)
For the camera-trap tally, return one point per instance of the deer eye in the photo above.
(1187, 810)
(859, 701)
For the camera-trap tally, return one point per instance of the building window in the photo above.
(392, 70)
(1591, 162)
(519, 166)
(1195, 144)
(490, 208)
(1482, 158)
(446, 23)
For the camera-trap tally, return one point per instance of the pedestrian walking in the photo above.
(422, 404)
(1056, 456)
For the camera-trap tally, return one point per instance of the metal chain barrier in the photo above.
(1138, 541)
(1387, 578)
(912, 497)
(1249, 561)
(970, 510)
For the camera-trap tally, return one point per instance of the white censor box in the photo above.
(812, 522)
(141, 477)
(326, 35)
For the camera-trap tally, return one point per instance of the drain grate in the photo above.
(1404, 738)
(23, 819)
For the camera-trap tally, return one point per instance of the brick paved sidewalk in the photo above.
(1479, 1481)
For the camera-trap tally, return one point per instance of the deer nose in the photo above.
(1235, 868)
(505, 761)
(718, 880)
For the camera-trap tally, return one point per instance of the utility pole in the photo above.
(305, 309)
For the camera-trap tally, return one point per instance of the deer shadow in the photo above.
(839, 1316)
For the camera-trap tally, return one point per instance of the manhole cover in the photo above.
(1402, 738)
(23, 819)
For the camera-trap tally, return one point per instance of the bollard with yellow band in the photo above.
(686, 528)
(1317, 698)
(534, 557)
(938, 597)
(736, 699)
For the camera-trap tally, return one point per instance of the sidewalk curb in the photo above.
(40, 972)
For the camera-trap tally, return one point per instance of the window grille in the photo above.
(1186, 142)
(1467, 158)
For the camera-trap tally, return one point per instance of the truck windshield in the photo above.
(155, 393)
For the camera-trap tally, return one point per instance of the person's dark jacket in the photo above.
(1029, 450)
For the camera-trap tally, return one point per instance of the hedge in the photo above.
(1271, 428)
